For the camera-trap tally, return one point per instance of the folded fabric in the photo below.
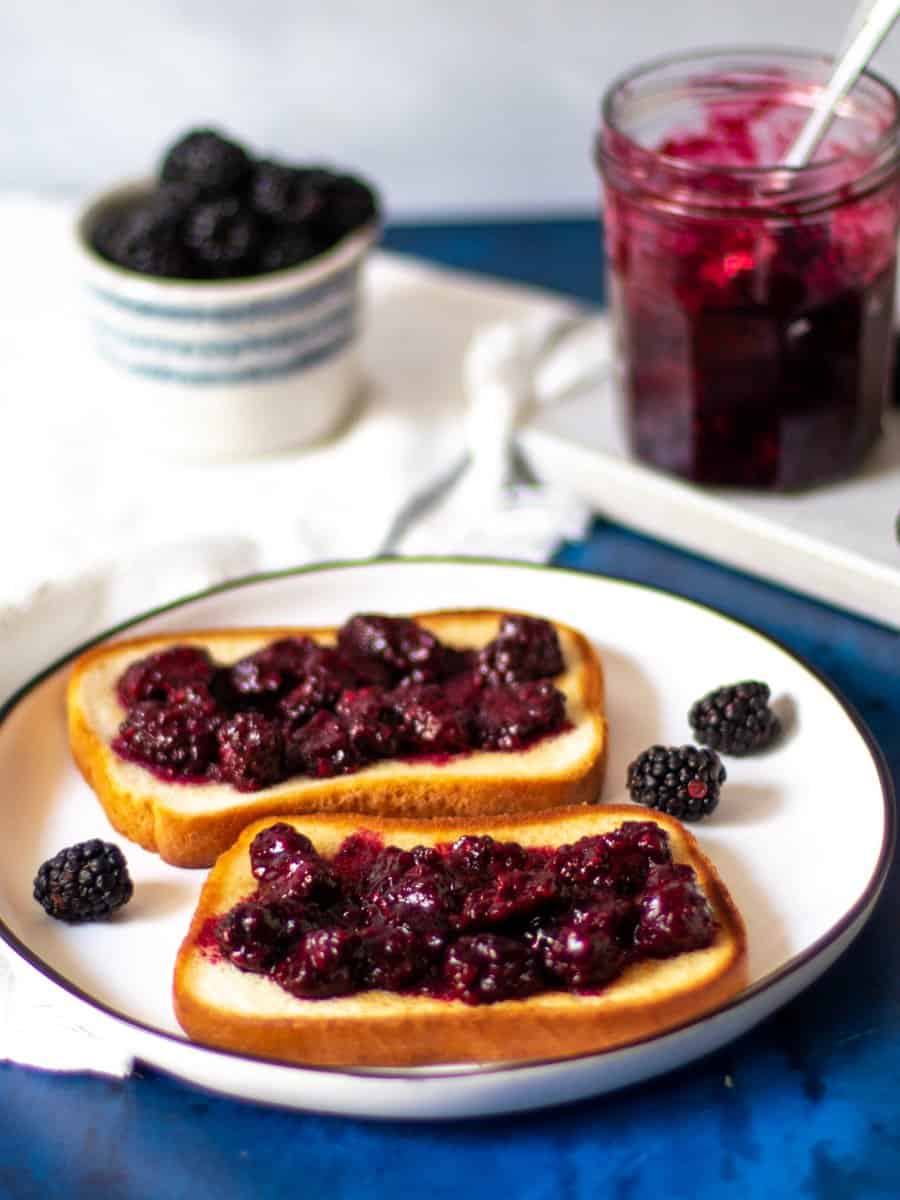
(40, 1026)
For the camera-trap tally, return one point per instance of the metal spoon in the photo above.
(869, 26)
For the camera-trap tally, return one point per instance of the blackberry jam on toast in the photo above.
(187, 738)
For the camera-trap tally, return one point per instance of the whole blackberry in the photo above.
(288, 195)
(83, 882)
(286, 247)
(146, 236)
(683, 781)
(213, 164)
(735, 719)
(223, 236)
(349, 203)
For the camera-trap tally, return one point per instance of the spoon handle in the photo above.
(873, 21)
(859, 18)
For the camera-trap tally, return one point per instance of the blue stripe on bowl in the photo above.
(256, 374)
(293, 302)
(335, 321)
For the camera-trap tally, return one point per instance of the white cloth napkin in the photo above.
(40, 1026)
(96, 532)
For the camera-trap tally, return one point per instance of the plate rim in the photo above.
(863, 906)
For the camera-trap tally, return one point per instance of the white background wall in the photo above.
(453, 106)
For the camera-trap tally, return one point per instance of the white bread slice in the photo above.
(219, 1005)
(190, 825)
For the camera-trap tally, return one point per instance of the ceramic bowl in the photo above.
(224, 368)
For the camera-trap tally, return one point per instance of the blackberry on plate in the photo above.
(83, 882)
(735, 719)
(683, 781)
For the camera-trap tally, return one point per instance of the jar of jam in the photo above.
(753, 304)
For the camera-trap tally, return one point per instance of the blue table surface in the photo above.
(812, 1103)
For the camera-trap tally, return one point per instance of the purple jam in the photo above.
(477, 921)
(754, 317)
(389, 689)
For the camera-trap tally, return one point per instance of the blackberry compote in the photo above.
(476, 921)
(388, 688)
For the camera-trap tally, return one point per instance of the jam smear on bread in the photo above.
(476, 920)
(389, 688)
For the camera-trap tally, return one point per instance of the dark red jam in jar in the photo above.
(753, 305)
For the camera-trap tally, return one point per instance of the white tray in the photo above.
(838, 543)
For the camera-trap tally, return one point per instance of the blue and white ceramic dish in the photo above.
(225, 368)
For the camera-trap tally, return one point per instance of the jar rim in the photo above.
(887, 144)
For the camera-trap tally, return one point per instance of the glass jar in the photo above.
(753, 304)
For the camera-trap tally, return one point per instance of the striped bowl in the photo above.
(225, 368)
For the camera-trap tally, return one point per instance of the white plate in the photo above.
(803, 873)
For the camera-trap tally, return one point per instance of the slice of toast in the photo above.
(189, 825)
(219, 1005)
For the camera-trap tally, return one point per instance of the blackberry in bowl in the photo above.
(224, 293)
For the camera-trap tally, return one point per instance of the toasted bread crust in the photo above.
(383, 1029)
(142, 809)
